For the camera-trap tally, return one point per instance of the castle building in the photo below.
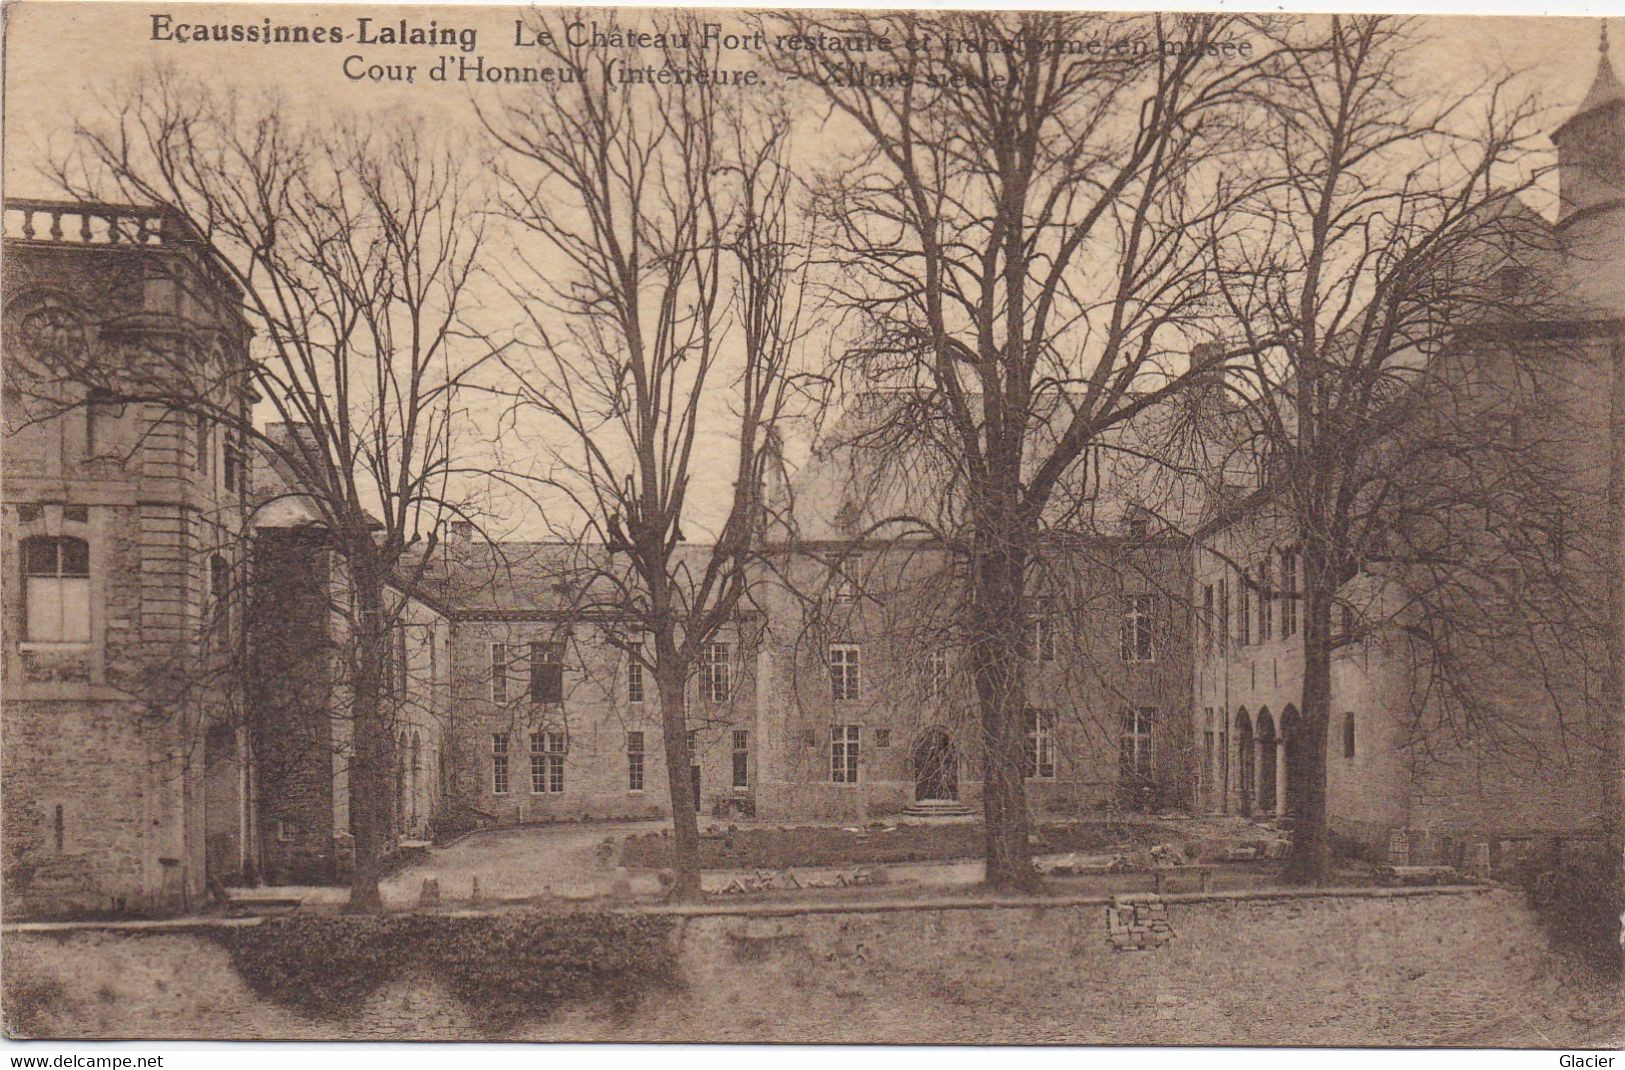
(1410, 760)
(124, 760)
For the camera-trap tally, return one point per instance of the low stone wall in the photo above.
(1467, 969)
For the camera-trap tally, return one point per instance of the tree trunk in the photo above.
(685, 823)
(997, 661)
(1310, 862)
(371, 737)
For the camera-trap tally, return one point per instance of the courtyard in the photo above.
(623, 861)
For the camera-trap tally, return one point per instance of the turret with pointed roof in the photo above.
(1591, 145)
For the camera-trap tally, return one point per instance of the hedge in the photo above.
(1578, 902)
(500, 965)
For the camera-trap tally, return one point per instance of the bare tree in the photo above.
(351, 250)
(1396, 445)
(662, 310)
(1013, 236)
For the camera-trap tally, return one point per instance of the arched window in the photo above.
(417, 774)
(56, 589)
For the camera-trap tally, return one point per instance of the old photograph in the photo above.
(797, 526)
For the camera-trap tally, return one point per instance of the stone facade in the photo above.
(1525, 764)
(124, 791)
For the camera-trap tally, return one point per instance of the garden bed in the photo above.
(776, 848)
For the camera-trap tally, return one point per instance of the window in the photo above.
(547, 672)
(499, 672)
(397, 659)
(1137, 527)
(1207, 750)
(1266, 601)
(219, 623)
(1042, 637)
(843, 671)
(231, 465)
(882, 738)
(202, 443)
(499, 764)
(1038, 755)
(217, 578)
(1348, 735)
(634, 680)
(101, 423)
(56, 589)
(843, 753)
(714, 676)
(1136, 628)
(634, 761)
(741, 753)
(1206, 622)
(1244, 619)
(936, 673)
(547, 751)
(1224, 612)
(1289, 593)
(1134, 755)
(845, 591)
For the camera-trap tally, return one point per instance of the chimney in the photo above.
(460, 532)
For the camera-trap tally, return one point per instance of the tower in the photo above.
(1591, 188)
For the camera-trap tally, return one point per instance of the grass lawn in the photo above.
(773, 848)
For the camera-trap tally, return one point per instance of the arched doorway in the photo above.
(1291, 738)
(1266, 761)
(936, 766)
(1244, 759)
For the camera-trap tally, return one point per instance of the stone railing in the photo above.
(89, 223)
(93, 223)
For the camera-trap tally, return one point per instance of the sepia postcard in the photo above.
(798, 526)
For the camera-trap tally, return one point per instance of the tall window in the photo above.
(1289, 592)
(56, 589)
(1136, 628)
(231, 464)
(1244, 618)
(546, 762)
(936, 673)
(845, 590)
(843, 753)
(1134, 755)
(499, 764)
(1206, 623)
(547, 672)
(741, 756)
(397, 658)
(102, 416)
(1207, 750)
(1223, 619)
(634, 679)
(715, 677)
(1042, 636)
(634, 761)
(499, 672)
(217, 630)
(843, 671)
(1038, 756)
(200, 434)
(1348, 734)
(1266, 601)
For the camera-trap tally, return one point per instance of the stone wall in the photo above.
(1429, 970)
(104, 749)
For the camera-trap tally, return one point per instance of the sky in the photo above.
(61, 58)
